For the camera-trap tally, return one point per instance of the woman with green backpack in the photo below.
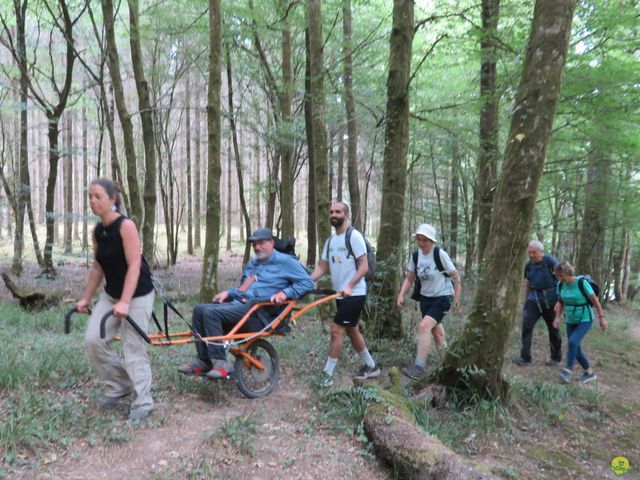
(576, 301)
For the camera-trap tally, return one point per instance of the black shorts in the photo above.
(435, 307)
(349, 310)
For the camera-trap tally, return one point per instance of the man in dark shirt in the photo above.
(540, 300)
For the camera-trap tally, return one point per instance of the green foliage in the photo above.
(239, 431)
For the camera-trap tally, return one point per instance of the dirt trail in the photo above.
(182, 441)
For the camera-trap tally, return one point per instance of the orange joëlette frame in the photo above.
(182, 338)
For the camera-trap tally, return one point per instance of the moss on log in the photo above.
(400, 442)
(31, 301)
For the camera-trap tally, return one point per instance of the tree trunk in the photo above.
(236, 152)
(197, 242)
(312, 227)
(350, 107)
(209, 281)
(136, 213)
(488, 158)
(85, 180)
(229, 185)
(285, 137)
(54, 156)
(316, 86)
(67, 173)
(414, 454)
(23, 183)
(474, 362)
(390, 236)
(189, 176)
(340, 167)
(146, 117)
(455, 187)
(591, 247)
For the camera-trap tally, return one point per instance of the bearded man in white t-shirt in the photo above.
(348, 267)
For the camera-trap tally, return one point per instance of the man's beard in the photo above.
(261, 255)
(336, 222)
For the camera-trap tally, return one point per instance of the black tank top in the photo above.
(110, 256)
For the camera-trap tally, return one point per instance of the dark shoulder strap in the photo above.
(415, 260)
(547, 260)
(581, 281)
(347, 241)
(438, 261)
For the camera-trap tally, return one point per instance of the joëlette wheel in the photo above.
(252, 381)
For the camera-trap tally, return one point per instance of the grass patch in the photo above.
(240, 432)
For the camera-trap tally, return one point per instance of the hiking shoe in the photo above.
(521, 362)
(137, 415)
(367, 372)
(324, 380)
(197, 368)
(110, 403)
(565, 375)
(550, 362)
(414, 371)
(587, 377)
(221, 369)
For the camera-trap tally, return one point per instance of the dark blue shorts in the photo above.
(435, 307)
(349, 310)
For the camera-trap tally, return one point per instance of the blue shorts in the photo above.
(435, 307)
(349, 310)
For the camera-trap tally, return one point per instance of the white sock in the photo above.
(365, 356)
(330, 366)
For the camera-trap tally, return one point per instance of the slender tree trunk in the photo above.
(390, 236)
(455, 187)
(236, 152)
(285, 137)
(146, 117)
(488, 158)
(229, 185)
(350, 107)
(67, 169)
(85, 180)
(54, 157)
(136, 212)
(474, 362)
(626, 265)
(209, 280)
(471, 220)
(22, 192)
(591, 247)
(189, 176)
(312, 228)
(197, 243)
(340, 167)
(321, 164)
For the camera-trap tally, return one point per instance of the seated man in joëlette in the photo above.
(270, 276)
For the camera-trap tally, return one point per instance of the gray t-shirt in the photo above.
(433, 283)
(342, 265)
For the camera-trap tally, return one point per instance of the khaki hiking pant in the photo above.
(134, 373)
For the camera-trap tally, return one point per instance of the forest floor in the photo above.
(204, 429)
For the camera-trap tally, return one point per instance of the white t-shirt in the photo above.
(342, 265)
(433, 283)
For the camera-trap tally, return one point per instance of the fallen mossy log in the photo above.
(397, 439)
(31, 301)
